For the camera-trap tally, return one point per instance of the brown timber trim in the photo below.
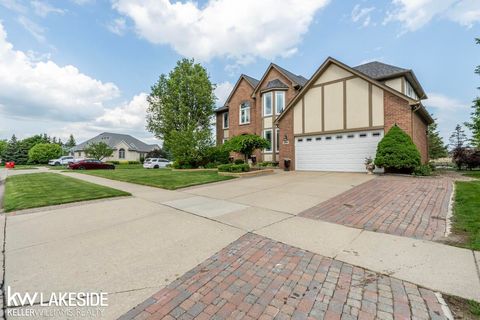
(338, 131)
(344, 104)
(370, 105)
(333, 81)
(323, 108)
(303, 115)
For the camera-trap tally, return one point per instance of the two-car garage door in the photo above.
(336, 152)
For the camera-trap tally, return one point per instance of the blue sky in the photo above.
(86, 66)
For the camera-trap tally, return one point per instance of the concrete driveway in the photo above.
(134, 247)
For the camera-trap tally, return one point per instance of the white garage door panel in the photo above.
(337, 154)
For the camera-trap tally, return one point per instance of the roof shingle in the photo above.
(113, 139)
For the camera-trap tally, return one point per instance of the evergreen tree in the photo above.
(12, 151)
(458, 138)
(70, 142)
(474, 124)
(436, 147)
(180, 108)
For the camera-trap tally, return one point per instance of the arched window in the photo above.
(121, 153)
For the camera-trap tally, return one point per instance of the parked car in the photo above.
(155, 163)
(90, 164)
(62, 161)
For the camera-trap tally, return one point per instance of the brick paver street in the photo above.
(258, 278)
(405, 206)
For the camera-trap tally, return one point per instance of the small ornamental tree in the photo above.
(246, 144)
(98, 150)
(42, 152)
(396, 152)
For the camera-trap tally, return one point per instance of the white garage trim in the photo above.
(336, 152)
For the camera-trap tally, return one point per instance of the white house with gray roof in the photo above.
(126, 147)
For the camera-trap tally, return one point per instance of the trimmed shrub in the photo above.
(239, 161)
(182, 165)
(133, 162)
(234, 167)
(423, 170)
(113, 161)
(396, 152)
(42, 152)
(212, 165)
(268, 164)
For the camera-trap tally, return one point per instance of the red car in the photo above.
(90, 164)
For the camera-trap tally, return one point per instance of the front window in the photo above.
(121, 153)
(225, 120)
(245, 113)
(279, 101)
(409, 91)
(267, 134)
(267, 104)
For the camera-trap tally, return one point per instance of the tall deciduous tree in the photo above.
(436, 147)
(180, 108)
(458, 138)
(98, 150)
(474, 124)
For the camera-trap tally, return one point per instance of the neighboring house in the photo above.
(125, 147)
(330, 122)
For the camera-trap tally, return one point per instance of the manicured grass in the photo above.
(466, 214)
(162, 178)
(45, 189)
(473, 174)
(25, 167)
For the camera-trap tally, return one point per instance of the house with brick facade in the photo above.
(330, 122)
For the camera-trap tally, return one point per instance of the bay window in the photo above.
(279, 101)
(267, 134)
(267, 104)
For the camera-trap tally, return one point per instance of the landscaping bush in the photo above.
(212, 165)
(396, 152)
(239, 161)
(182, 165)
(246, 144)
(423, 170)
(466, 158)
(234, 167)
(113, 162)
(133, 162)
(42, 152)
(268, 164)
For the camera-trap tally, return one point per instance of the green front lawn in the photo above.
(162, 178)
(466, 214)
(45, 189)
(473, 174)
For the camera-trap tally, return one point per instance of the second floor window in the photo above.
(225, 120)
(279, 101)
(245, 113)
(267, 104)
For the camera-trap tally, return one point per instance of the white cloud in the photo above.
(238, 30)
(13, 5)
(34, 29)
(43, 9)
(362, 15)
(127, 116)
(414, 14)
(222, 91)
(442, 102)
(117, 26)
(43, 89)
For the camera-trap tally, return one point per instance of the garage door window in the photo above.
(267, 134)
